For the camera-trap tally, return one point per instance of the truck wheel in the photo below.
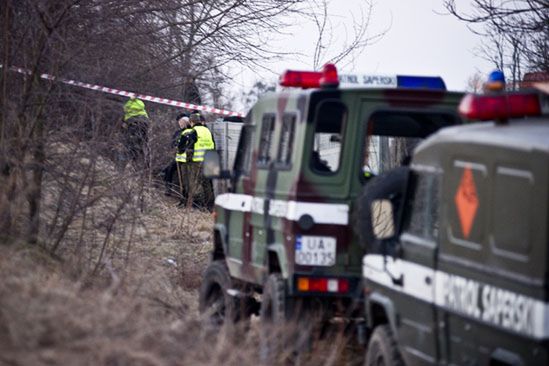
(389, 185)
(382, 349)
(216, 305)
(273, 316)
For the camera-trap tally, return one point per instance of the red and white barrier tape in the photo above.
(124, 93)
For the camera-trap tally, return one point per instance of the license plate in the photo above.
(315, 250)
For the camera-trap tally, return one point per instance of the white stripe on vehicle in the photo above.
(418, 280)
(483, 302)
(234, 202)
(322, 213)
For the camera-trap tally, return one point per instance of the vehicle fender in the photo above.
(278, 251)
(505, 357)
(388, 307)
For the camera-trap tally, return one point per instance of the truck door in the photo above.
(237, 218)
(256, 247)
(417, 329)
(274, 181)
(461, 253)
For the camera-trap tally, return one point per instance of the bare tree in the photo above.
(50, 133)
(167, 47)
(516, 33)
(475, 82)
(259, 88)
(328, 49)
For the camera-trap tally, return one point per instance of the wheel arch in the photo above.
(381, 310)
(277, 261)
(220, 242)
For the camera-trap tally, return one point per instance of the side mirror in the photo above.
(211, 167)
(382, 217)
(380, 208)
(383, 225)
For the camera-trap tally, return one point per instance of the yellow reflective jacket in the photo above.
(134, 107)
(204, 142)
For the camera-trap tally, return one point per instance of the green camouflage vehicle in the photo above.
(284, 232)
(457, 267)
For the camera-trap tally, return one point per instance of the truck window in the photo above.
(267, 129)
(330, 120)
(384, 153)
(243, 157)
(285, 147)
(392, 135)
(422, 205)
(512, 233)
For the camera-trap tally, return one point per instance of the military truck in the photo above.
(284, 239)
(456, 271)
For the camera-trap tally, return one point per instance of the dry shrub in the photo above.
(115, 281)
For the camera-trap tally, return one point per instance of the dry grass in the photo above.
(46, 318)
(143, 314)
(109, 284)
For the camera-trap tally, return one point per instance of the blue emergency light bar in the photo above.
(420, 82)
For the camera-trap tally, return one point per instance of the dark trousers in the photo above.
(136, 143)
(198, 188)
(169, 172)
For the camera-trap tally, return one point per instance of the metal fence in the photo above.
(226, 135)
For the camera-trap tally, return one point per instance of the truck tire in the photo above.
(390, 185)
(216, 305)
(273, 316)
(382, 349)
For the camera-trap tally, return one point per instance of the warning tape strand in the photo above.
(149, 98)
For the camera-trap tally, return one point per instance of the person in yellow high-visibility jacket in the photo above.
(135, 125)
(181, 160)
(192, 147)
(170, 170)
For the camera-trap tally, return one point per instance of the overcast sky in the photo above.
(419, 42)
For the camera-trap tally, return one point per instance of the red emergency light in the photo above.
(327, 78)
(315, 284)
(499, 106)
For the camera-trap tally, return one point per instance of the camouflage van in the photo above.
(458, 271)
(284, 232)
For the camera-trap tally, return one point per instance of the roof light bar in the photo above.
(329, 78)
(421, 82)
(302, 79)
(311, 79)
(500, 106)
(495, 81)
